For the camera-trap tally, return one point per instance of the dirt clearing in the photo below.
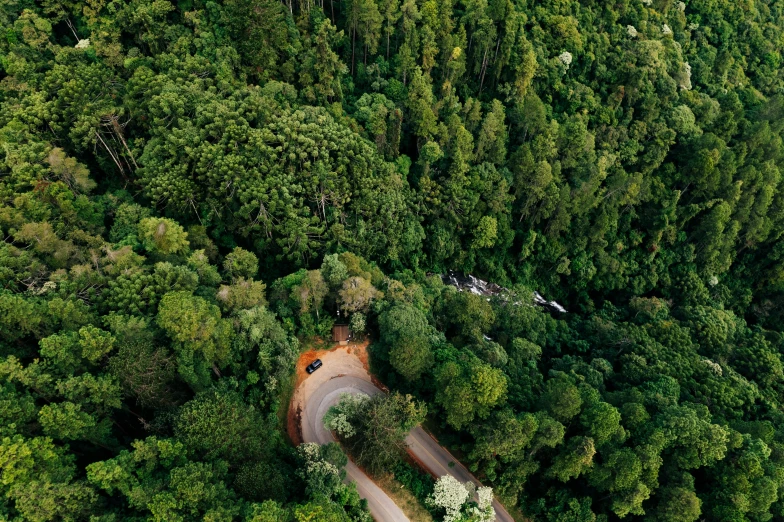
(327, 355)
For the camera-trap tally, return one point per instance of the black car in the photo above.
(315, 365)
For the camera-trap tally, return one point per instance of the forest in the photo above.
(191, 192)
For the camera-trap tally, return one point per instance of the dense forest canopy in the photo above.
(189, 190)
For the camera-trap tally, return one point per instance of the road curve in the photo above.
(381, 506)
(343, 372)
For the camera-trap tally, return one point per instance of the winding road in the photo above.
(343, 372)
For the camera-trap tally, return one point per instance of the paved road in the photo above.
(381, 506)
(343, 373)
(436, 459)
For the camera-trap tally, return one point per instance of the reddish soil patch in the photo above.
(305, 359)
(360, 350)
(293, 419)
(294, 425)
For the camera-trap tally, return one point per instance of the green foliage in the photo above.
(376, 427)
(622, 158)
(146, 372)
(157, 479)
(222, 425)
(241, 264)
(333, 270)
(405, 330)
(162, 235)
(420, 484)
(468, 389)
(201, 338)
(357, 294)
(38, 479)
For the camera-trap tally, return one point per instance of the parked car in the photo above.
(315, 365)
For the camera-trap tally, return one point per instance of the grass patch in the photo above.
(403, 497)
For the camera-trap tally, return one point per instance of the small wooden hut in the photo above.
(340, 334)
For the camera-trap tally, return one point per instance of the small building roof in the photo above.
(340, 333)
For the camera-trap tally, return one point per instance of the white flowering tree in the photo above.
(483, 511)
(450, 495)
(565, 58)
(357, 324)
(321, 476)
(684, 77)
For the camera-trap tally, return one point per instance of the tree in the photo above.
(241, 295)
(313, 511)
(469, 389)
(38, 479)
(357, 294)
(333, 270)
(322, 67)
(620, 474)
(450, 495)
(491, 143)
(678, 504)
(574, 460)
(162, 235)
(484, 512)
(469, 314)
(602, 422)
(369, 26)
(260, 32)
(358, 325)
(322, 470)
(221, 425)
(486, 233)
(70, 171)
(390, 10)
(67, 421)
(504, 437)
(202, 338)
(146, 372)
(694, 440)
(374, 428)
(311, 292)
(240, 263)
(267, 511)
(405, 330)
(265, 480)
(157, 479)
(323, 475)
(420, 105)
(561, 398)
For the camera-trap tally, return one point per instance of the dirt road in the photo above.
(344, 372)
